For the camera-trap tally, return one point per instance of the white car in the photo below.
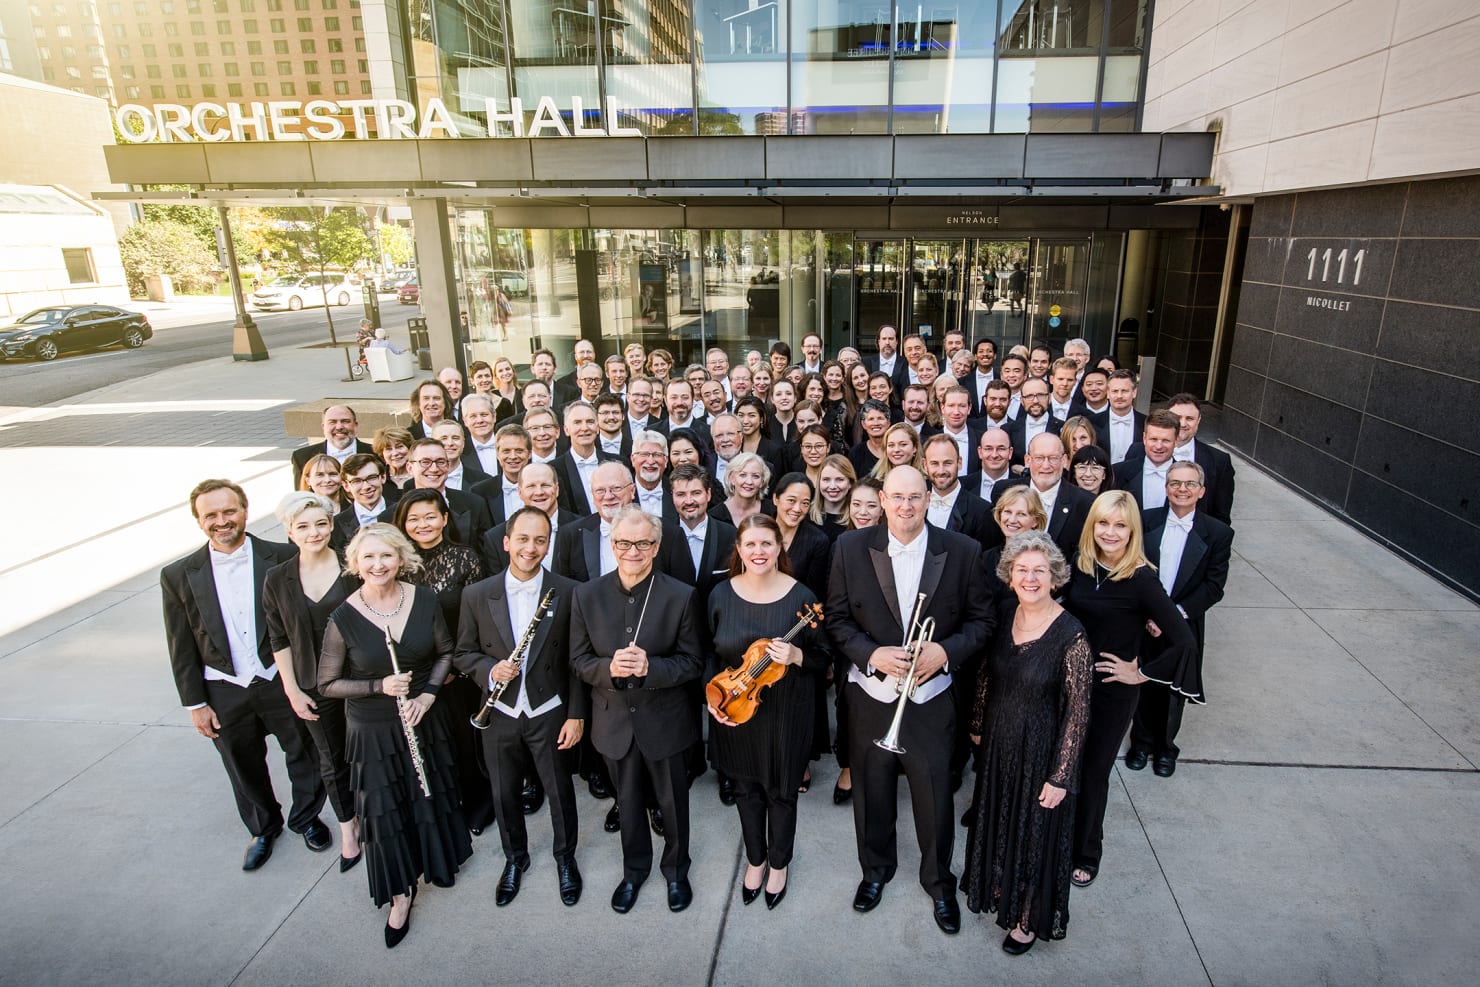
(296, 291)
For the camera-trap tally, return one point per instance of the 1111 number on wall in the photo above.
(1325, 257)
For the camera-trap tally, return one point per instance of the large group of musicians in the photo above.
(640, 572)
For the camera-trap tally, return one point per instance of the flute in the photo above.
(402, 705)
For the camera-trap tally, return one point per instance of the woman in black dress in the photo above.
(297, 597)
(809, 551)
(766, 756)
(1032, 707)
(446, 568)
(830, 509)
(1113, 592)
(407, 833)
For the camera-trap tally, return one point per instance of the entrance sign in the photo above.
(364, 119)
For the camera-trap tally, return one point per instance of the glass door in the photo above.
(1056, 291)
(938, 271)
(999, 267)
(880, 277)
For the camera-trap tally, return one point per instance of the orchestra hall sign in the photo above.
(365, 119)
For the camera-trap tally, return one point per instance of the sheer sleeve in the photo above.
(334, 679)
(1174, 663)
(1073, 712)
(443, 646)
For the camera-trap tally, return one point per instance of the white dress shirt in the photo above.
(1032, 428)
(550, 552)
(941, 506)
(963, 446)
(696, 536)
(535, 457)
(1122, 435)
(1059, 411)
(1154, 485)
(487, 454)
(1173, 541)
(523, 598)
(721, 469)
(512, 500)
(887, 366)
(340, 455)
(1015, 406)
(586, 467)
(635, 425)
(454, 478)
(651, 501)
(989, 481)
(1048, 498)
(608, 554)
(908, 563)
(237, 594)
(1185, 453)
(612, 447)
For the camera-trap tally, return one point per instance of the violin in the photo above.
(736, 692)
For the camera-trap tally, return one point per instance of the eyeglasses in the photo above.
(1089, 468)
(364, 481)
(647, 455)
(905, 498)
(623, 545)
(609, 491)
(1183, 484)
(428, 464)
(1048, 460)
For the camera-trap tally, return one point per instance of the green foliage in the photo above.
(311, 239)
(201, 220)
(163, 246)
(397, 245)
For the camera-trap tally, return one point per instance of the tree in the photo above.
(162, 246)
(311, 239)
(397, 245)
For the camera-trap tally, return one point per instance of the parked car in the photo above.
(392, 282)
(296, 291)
(514, 283)
(409, 293)
(55, 329)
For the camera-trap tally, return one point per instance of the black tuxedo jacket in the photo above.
(900, 377)
(972, 517)
(978, 393)
(863, 606)
(194, 629)
(303, 454)
(1203, 570)
(974, 430)
(347, 524)
(490, 490)
(973, 483)
(714, 559)
(572, 490)
(1128, 473)
(578, 549)
(486, 636)
(289, 624)
(1017, 429)
(624, 446)
(655, 711)
(469, 516)
(668, 514)
(492, 545)
(473, 477)
(1217, 467)
(1070, 511)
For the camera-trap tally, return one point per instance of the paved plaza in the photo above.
(1319, 828)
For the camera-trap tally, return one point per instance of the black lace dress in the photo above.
(1032, 706)
(446, 569)
(407, 835)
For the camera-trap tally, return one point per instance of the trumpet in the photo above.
(484, 716)
(920, 633)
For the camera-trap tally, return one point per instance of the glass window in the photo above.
(203, 70)
(305, 24)
(331, 23)
(259, 89)
(156, 92)
(208, 90)
(132, 92)
(840, 67)
(285, 68)
(648, 68)
(202, 49)
(307, 46)
(233, 88)
(554, 48)
(341, 88)
(228, 48)
(310, 67)
(943, 69)
(1127, 24)
(335, 44)
(1051, 25)
(232, 69)
(315, 88)
(1037, 95)
(742, 67)
(280, 47)
(183, 92)
(289, 89)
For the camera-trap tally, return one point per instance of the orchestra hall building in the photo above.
(1273, 200)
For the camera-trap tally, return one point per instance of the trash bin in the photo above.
(421, 343)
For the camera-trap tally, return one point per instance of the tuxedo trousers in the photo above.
(927, 734)
(669, 781)
(1158, 719)
(248, 715)
(328, 733)
(516, 748)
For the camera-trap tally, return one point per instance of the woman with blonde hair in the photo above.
(830, 507)
(901, 448)
(1116, 594)
(1077, 433)
(321, 476)
(746, 479)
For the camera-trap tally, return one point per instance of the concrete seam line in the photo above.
(78, 773)
(279, 927)
(1217, 762)
(46, 637)
(724, 915)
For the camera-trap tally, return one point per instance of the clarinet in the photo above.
(402, 705)
(484, 716)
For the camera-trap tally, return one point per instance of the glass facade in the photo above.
(675, 67)
(742, 289)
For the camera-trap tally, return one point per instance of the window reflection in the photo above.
(943, 68)
(840, 67)
(1051, 25)
(742, 66)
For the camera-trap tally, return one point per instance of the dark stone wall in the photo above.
(1359, 382)
(1187, 304)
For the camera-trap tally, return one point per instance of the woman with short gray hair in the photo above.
(1031, 711)
(747, 478)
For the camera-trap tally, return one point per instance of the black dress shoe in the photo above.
(598, 788)
(1013, 947)
(475, 830)
(773, 898)
(570, 882)
(259, 850)
(868, 896)
(748, 895)
(1164, 766)
(532, 797)
(948, 915)
(393, 937)
(841, 795)
(726, 790)
(625, 897)
(613, 820)
(438, 882)
(316, 836)
(680, 895)
(508, 884)
(655, 819)
(1135, 759)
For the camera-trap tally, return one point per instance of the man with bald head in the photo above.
(878, 576)
(341, 431)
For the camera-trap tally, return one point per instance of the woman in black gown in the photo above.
(407, 833)
(1032, 706)
(767, 755)
(297, 597)
(446, 568)
(1113, 592)
(810, 553)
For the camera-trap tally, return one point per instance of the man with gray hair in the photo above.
(584, 548)
(341, 439)
(649, 464)
(724, 433)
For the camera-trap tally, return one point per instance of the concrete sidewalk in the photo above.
(1318, 829)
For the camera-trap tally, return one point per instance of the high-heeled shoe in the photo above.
(748, 895)
(394, 936)
(841, 794)
(773, 898)
(1016, 947)
(349, 863)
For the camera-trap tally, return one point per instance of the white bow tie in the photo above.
(530, 588)
(936, 500)
(485, 446)
(897, 550)
(1185, 523)
(239, 557)
(1160, 471)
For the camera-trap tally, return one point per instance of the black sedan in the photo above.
(55, 329)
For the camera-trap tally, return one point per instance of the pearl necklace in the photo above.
(385, 616)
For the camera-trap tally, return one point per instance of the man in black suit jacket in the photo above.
(714, 539)
(1194, 580)
(583, 548)
(952, 506)
(1144, 473)
(1033, 420)
(469, 514)
(364, 477)
(584, 453)
(542, 710)
(1217, 465)
(890, 361)
(224, 671)
(1066, 503)
(341, 428)
(635, 639)
(649, 466)
(876, 576)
